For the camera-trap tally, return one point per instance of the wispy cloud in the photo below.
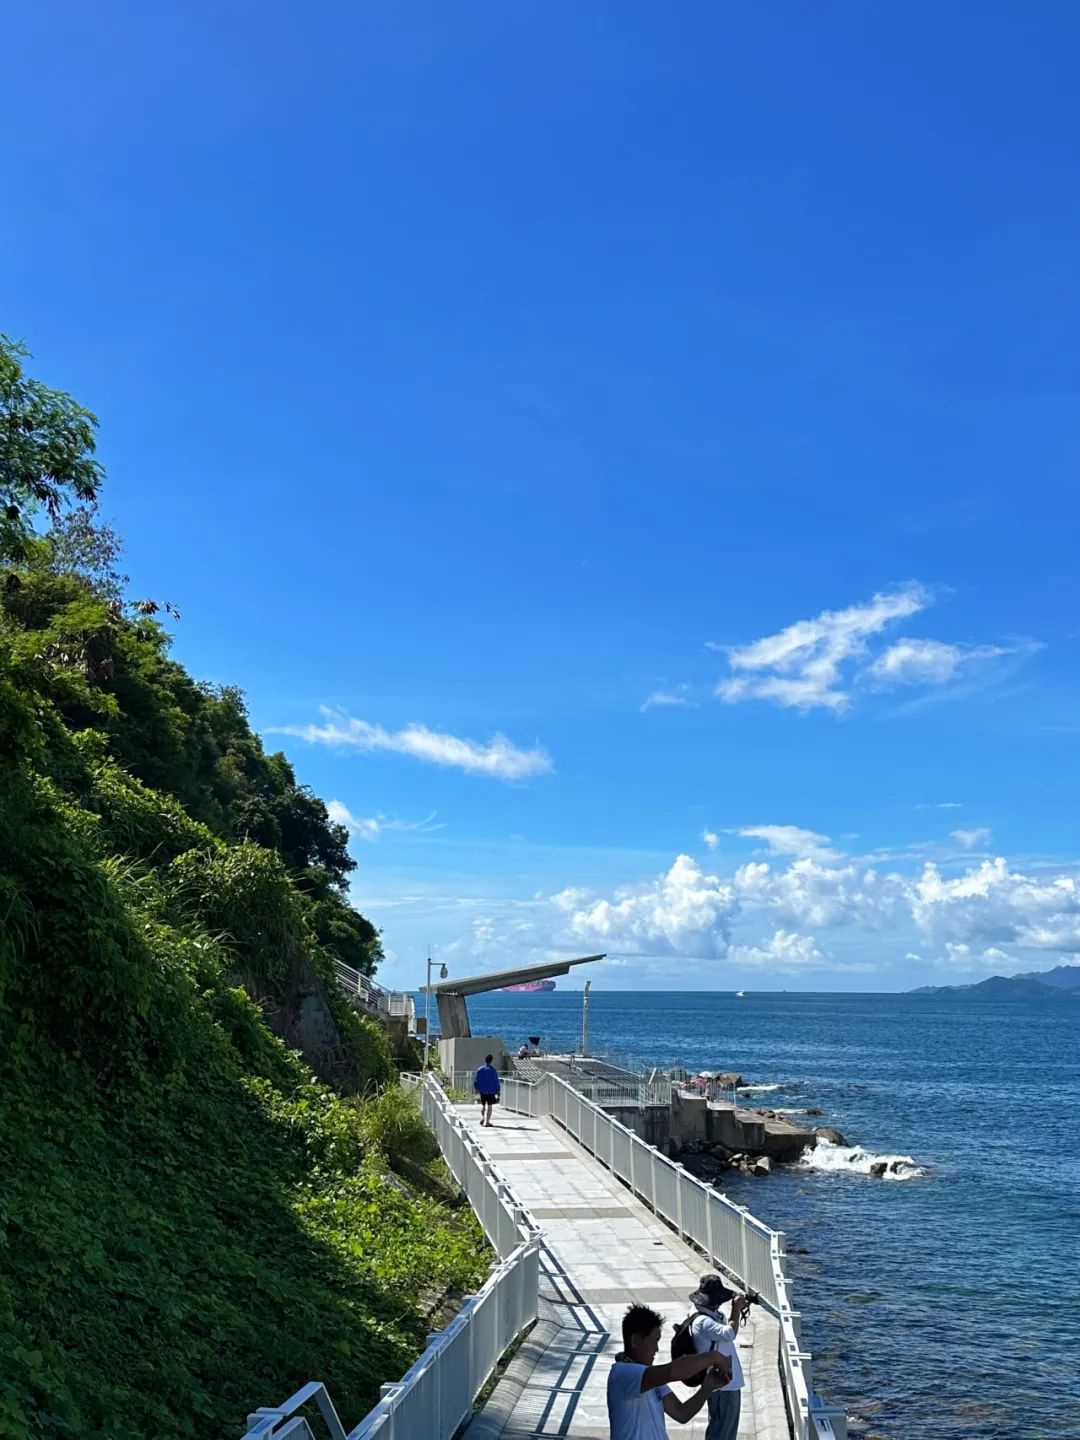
(661, 699)
(824, 663)
(800, 666)
(711, 838)
(789, 840)
(941, 805)
(497, 757)
(370, 827)
(980, 835)
(932, 662)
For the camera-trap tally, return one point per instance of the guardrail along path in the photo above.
(602, 1249)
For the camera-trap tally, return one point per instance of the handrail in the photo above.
(284, 1420)
(611, 1094)
(372, 997)
(436, 1394)
(741, 1244)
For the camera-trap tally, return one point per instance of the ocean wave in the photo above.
(757, 1089)
(854, 1160)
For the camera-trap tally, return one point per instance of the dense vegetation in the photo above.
(191, 1223)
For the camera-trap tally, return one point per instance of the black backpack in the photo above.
(682, 1343)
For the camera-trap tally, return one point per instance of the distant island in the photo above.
(1061, 982)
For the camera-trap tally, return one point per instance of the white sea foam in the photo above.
(757, 1089)
(854, 1160)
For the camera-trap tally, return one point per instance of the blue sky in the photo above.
(484, 371)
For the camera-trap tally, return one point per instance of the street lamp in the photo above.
(443, 972)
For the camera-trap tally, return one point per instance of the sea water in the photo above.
(946, 1300)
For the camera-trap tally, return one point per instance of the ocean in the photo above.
(946, 1302)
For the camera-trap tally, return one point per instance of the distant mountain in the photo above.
(1060, 983)
(1062, 977)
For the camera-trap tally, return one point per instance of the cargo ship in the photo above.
(531, 987)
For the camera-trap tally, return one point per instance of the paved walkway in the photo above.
(602, 1250)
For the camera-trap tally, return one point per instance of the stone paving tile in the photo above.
(603, 1249)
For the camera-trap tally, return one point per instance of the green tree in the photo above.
(80, 544)
(46, 451)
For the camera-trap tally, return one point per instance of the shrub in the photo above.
(243, 893)
(391, 1122)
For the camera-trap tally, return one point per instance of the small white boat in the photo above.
(740, 994)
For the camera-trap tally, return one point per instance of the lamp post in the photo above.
(443, 972)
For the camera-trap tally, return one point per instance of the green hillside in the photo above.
(191, 1223)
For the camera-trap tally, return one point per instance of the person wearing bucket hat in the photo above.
(710, 1332)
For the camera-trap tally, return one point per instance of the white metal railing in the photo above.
(612, 1094)
(286, 1423)
(505, 1220)
(435, 1396)
(741, 1244)
(364, 992)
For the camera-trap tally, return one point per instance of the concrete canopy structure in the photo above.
(450, 994)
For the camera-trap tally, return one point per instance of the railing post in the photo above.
(744, 1254)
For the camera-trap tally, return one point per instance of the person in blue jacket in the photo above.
(486, 1084)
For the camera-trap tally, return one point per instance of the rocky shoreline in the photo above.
(780, 1140)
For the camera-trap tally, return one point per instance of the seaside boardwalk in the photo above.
(602, 1249)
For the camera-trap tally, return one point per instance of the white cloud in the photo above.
(789, 840)
(822, 663)
(498, 757)
(784, 950)
(929, 662)
(980, 835)
(958, 956)
(799, 667)
(712, 840)
(968, 960)
(660, 699)
(682, 912)
(993, 905)
(941, 805)
(809, 892)
(372, 826)
(994, 956)
(366, 828)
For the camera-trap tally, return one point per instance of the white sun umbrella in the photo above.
(706, 1074)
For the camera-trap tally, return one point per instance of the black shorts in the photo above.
(489, 1099)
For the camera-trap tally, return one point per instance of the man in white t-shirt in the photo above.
(712, 1335)
(638, 1393)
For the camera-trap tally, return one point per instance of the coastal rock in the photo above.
(761, 1165)
(674, 1149)
(730, 1080)
(826, 1132)
(878, 1168)
(813, 1110)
